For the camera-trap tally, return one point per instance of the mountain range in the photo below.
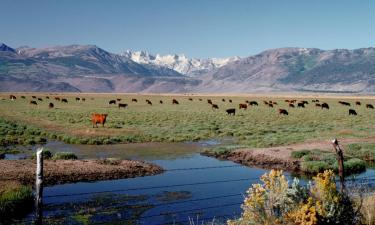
(88, 68)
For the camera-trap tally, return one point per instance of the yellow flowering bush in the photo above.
(275, 202)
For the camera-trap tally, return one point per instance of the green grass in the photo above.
(362, 150)
(260, 126)
(46, 154)
(316, 161)
(64, 156)
(15, 199)
(299, 154)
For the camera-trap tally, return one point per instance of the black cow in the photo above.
(161, 102)
(253, 103)
(64, 100)
(51, 105)
(369, 106)
(33, 103)
(231, 111)
(325, 106)
(300, 104)
(283, 112)
(122, 105)
(214, 106)
(112, 102)
(352, 112)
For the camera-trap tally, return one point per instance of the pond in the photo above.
(193, 188)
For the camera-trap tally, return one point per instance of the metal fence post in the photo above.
(39, 186)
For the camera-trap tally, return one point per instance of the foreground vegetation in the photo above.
(321, 203)
(15, 199)
(258, 126)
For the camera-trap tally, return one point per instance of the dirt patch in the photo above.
(280, 157)
(68, 171)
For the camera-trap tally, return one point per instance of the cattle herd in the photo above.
(97, 118)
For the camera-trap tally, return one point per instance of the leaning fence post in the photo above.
(340, 162)
(39, 186)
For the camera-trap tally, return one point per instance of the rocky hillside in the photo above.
(87, 68)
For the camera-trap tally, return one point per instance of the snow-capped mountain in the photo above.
(180, 63)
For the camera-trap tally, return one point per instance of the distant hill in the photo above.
(88, 68)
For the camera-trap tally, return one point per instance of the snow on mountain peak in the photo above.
(179, 62)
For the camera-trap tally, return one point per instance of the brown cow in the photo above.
(190, 99)
(214, 106)
(148, 102)
(291, 105)
(134, 100)
(78, 99)
(57, 99)
(118, 99)
(318, 105)
(174, 102)
(209, 101)
(83, 99)
(270, 105)
(230, 100)
(64, 100)
(161, 102)
(23, 97)
(33, 96)
(51, 105)
(47, 97)
(12, 97)
(98, 118)
(242, 106)
(200, 99)
(223, 100)
(283, 111)
(358, 103)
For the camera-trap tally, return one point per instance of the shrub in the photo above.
(314, 166)
(64, 156)
(300, 154)
(46, 155)
(275, 202)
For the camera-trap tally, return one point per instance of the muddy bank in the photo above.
(251, 158)
(68, 171)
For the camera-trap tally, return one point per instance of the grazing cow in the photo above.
(325, 106)
(223, 100)
(253, 103)
(98, 118)
(40, 99)
(51, 105)
(118, 99)
(83, 99)
(209, 101)
(275, 103)
(318, 105)
(190, 99)
(231, 111)
(242, 106)
(23, 97)
(352, 112)
(12, 97)
(214, 106)
(64, 100)
(33, 103)
(200, 99)
(270, 105)
(283, 112)
(112, 102)
(358, 103)
(305, 102)
(148, 102)
(230, 100)
(287, 100)
(134, 100)
(33, 96)
(369, 106)
(300, 104)
(122, 105)
(315, 100)
(174, 102)
(291, 105)
(47, 97)
(344, 103)
(57, 99)
(265, 102)
(161, 102)
(78, 99)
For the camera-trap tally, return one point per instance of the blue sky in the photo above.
(198, 28)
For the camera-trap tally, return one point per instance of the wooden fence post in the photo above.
(39, 186)
(340, 162)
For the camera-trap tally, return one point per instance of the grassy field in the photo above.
(258, 126)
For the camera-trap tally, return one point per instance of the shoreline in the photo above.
(71, 171)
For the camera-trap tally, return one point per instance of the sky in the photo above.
(196, 28)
